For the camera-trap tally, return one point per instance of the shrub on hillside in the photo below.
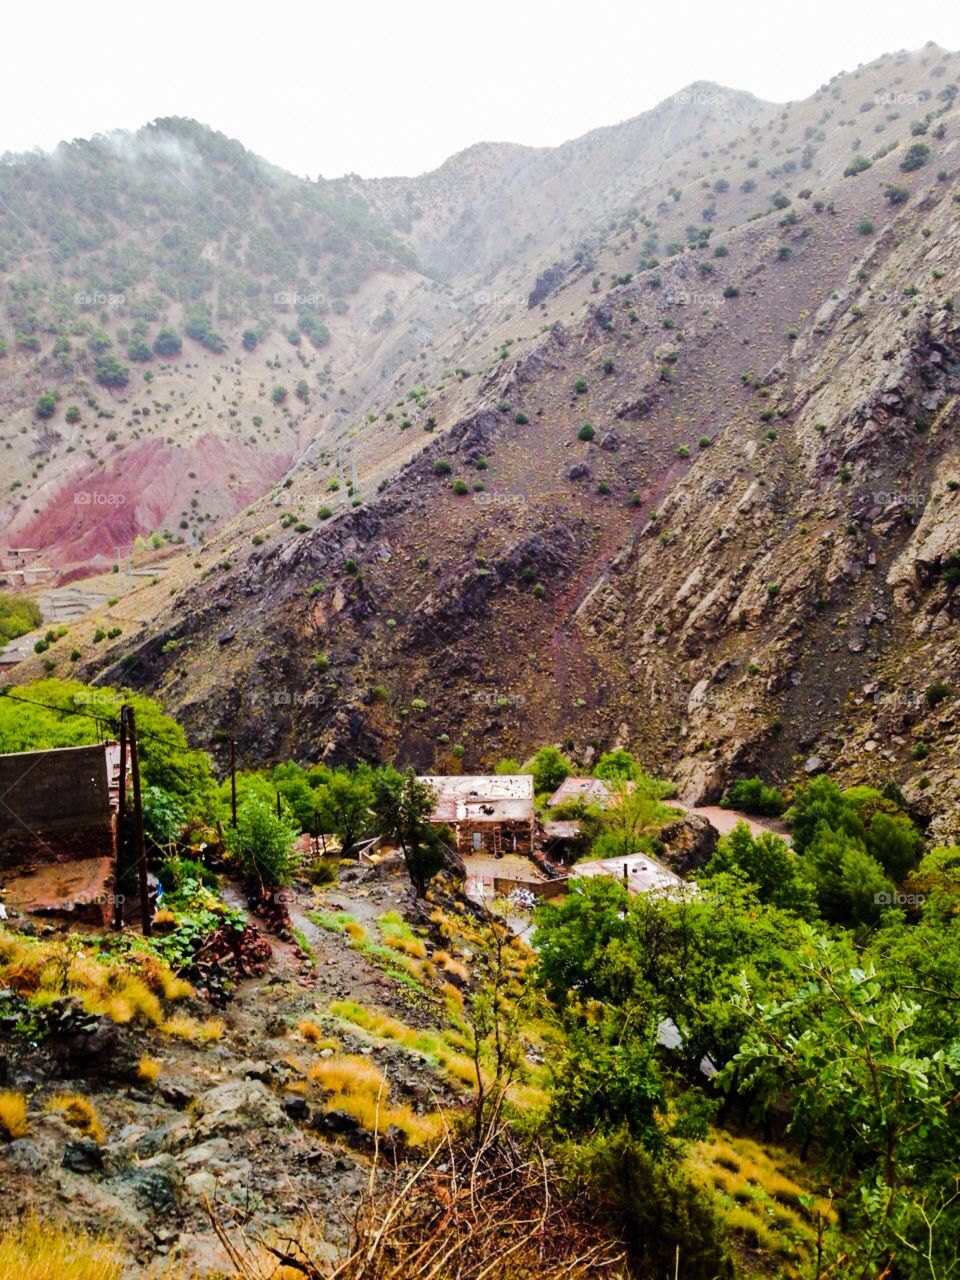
(752, 795)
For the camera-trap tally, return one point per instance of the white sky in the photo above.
(384, 88)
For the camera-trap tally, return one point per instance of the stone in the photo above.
(236, 1107)
(25, 1155)
(812, 765)
(201, 1184)
(83, 1156)
(337, 1122)
(296, 1108)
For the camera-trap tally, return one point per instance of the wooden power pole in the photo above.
(141, 852)
(121, 824)
(233, 783)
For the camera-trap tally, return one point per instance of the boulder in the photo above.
(236, 1107)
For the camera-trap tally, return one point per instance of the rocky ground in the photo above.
(230, 1123)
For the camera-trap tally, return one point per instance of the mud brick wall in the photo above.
(55, 806)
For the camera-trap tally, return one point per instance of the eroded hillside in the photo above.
(691, 488)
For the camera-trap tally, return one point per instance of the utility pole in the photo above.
(141, 852)
(121, 822)
(233, 783)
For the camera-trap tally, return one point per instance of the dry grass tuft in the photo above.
(79, 1112)
(397, 934)
(35, 1250)
(438, 1048)
(356, 1085)
(183, 1027)
(148, 1069)
(314, 1034)
(13, 1116)
(128, 990)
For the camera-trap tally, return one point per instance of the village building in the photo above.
(493, 813)
(590, 790)
(59, 830)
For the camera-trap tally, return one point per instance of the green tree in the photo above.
(850, 885)
(403, 805)
(549, 768)
(264, 845)
(630, 818)
(752, 795)
(821, 801)
(344, 801)
(880, 1099)
(768, 864)
(617, 765)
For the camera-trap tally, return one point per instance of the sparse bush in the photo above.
(859, 164)
(916, 155)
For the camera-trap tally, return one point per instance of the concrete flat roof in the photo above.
(496, 797)
(643, 873)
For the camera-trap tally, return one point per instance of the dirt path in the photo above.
(723, 821)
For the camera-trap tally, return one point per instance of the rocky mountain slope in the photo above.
(681, 475)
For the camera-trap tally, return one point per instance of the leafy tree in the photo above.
(654, 1208)
(768, 864)
(916, 155)
(344, 801)
(508, 765)
(549, 768)
(403, 805)
(850, 884)
(139, 349)
(18, 615)
(882, 1101)
(167, 343)
(618, 764)
(664, 956)
(821, 801)
(630, 818)
(164, 816)
(895, 843)
(111, 373)
(46, 406)
(166, 758)
(264, 845)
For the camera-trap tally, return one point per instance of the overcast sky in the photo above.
(395, 88)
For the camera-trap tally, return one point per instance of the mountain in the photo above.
(668, 461)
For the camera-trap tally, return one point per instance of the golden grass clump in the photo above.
(435, 1046)
(13, 1116)
(47, 1250)
(314, 1034)
(148, 1069)
(356, 1085)
(759, 1195)
(123, 990)
(449, 965)
(79, 1112)
(398, 934)
(183, 1027)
